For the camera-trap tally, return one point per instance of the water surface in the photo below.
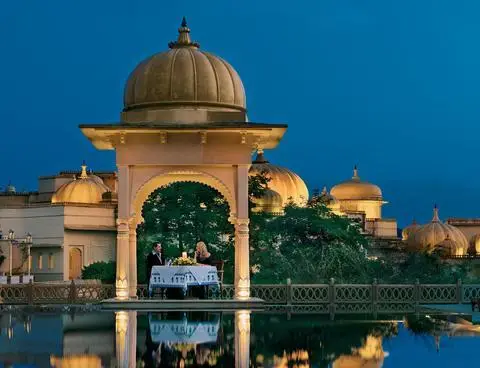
(233, 339)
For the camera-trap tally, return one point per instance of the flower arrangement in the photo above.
(184, 261)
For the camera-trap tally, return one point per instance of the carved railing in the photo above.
(332, 297)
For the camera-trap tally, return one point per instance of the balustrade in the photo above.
(332, 297)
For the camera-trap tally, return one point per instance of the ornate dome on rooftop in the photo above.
(356, 189)
(184, 77)
(474, 247)
(282, 180)
(437, 234)
(270, 202)
(409, 230)
(87, 189)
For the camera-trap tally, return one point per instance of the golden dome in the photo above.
(283, 181)
(184, 77)
(447, 246)
(86, 189)
(270, 202)
(474, 247)
(355, 189)
(430, 236)
(409, 230)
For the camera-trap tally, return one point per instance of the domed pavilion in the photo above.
(363, 201)
(184, 119)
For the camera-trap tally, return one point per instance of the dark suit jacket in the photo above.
(153, 260)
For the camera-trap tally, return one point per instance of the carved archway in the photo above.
(175, 176)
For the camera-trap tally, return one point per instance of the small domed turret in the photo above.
(87, 189)
(435, 235)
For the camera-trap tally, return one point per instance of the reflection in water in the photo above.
(228, 339)
(195, 339)
(369, 355)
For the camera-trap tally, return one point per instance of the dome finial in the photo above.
(435, 214)
(260, 159)
(183, 39)
(84, 174)
(355, 173)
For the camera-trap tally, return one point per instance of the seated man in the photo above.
(155, 258)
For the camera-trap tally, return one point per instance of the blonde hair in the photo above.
(201, 248)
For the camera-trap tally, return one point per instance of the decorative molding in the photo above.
(163, 137)
(243, 136)
(123, 137)
(203, 137)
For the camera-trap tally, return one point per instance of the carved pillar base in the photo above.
(121, 282)
(132, 253)
(242, 260)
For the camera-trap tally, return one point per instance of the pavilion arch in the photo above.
(175, 176)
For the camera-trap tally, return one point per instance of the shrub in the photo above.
(104, 271)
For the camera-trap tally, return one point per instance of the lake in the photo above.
(233, 339)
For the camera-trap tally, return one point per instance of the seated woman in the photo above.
(202, 255)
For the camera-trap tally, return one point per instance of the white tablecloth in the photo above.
(183, 331)
(183, 276)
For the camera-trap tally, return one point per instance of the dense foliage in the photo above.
(104, 271)
(307, 244)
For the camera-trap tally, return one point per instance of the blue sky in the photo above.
(389, 85)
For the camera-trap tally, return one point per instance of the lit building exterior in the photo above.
(363, 201)
(71, 218)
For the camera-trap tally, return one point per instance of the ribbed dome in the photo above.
(270, 202)
(184, 77)
(409, 230)
(86, 189)
(283, 181)
(356, 189)
(430, 236)
(474, 247)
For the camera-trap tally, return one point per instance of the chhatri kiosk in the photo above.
(184, 120)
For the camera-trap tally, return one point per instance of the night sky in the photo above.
(390, 86)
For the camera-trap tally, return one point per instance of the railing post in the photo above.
(289, 291)
(30, 293)
(459, 291)
(417, 294)
(72, 293)
(331, 307)
(374, 296)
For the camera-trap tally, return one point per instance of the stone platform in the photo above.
(182, 304)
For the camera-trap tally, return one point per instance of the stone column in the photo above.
(242, 260)
(132, 259)
(242, 339)
(121, 282)
(123, 228)
(242, 247)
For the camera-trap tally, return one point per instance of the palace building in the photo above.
(184, 95)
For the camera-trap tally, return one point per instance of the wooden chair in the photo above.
(219, 264)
